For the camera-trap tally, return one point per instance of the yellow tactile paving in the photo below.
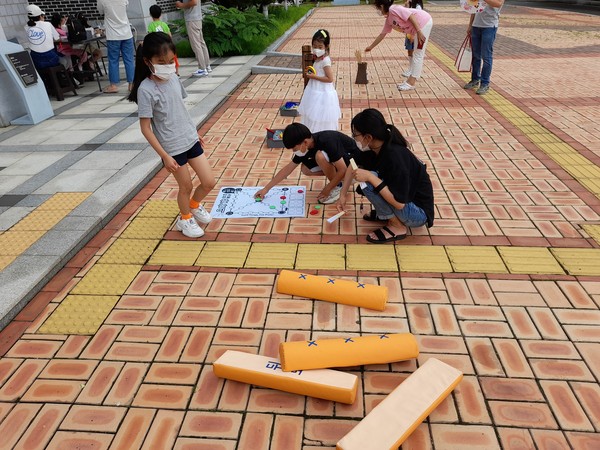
(224, 254)
(40, 220)
(129, 251)
(579, 261)
(593, 231)
(273, 256)
(371, 257)
(402, 258)
(160, 208)
(5, 261)
(319, 256)
(79, 314)
(107, 279)
(35, 224)
(147, 228)
(13, 243)
(530, 260)
(176, 253)
(579, 167)
(64, 200)
(415, 258)
(475, 259)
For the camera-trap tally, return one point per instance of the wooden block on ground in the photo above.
(266, 372)
(332, 290)
(345, 352)
(389, 424)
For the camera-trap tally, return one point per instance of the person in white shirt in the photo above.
(42, 36)
(119, 41)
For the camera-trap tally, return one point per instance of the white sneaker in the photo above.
(189, 228)
(200, 73)
(201, 215)
(407, 73)
(333, 196)
(405, 87)
(209, 69)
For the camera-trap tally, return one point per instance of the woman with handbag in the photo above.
(483, 26)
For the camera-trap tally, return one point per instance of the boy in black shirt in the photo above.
(322, 153)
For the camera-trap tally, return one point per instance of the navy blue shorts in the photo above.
(192, 153)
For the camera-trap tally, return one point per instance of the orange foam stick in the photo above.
(266, 372)
(388, 425)
(344, 352)
(332, 290)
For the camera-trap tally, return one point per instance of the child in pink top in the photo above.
(64, 47)
(417, 23)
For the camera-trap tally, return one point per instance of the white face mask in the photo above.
(164, 71)
(379, 12)
(360, 146)
(300, 153)
(318, 52)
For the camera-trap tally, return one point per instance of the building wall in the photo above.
(13, 13)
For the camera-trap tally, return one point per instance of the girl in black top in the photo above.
(395, 180)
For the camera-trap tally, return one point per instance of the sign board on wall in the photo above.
(23, 65)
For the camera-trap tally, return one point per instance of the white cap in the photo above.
(34, 11)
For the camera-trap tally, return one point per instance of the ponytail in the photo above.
(32, 20)
(142, 71)
(371, 121)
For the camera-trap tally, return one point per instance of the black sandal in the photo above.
(381, 239)
(372, 217)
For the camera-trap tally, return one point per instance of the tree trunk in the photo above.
(265, 9)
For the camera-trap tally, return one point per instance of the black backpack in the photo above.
(75, 30)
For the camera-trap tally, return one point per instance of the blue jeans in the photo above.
(116, 49)
(411, 215)
(482, 42)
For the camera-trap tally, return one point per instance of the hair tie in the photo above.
(323, 33)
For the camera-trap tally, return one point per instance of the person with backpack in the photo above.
(64, 47)
(119, 41)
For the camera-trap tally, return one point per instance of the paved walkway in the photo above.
(116, 350)
(61, 181)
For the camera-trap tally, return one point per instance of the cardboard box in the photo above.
(274, 139)
(289, 109)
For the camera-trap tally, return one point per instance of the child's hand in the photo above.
(361, 175)
(324, 194)
(261, 194)
(170, 164)
(341, 205)
(201, 141)
(368, 49)
(311, 75)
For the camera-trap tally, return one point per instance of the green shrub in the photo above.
(184, 49)
(230, 32)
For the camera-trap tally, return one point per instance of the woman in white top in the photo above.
(42, 36)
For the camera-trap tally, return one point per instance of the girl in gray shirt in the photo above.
(169, 129)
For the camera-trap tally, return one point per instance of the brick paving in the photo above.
(527, 341)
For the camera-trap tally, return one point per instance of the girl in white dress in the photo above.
(320, 107)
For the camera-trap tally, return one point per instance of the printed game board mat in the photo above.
(239, 202)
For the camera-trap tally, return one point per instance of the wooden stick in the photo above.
(336, 217)
(354, 166)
